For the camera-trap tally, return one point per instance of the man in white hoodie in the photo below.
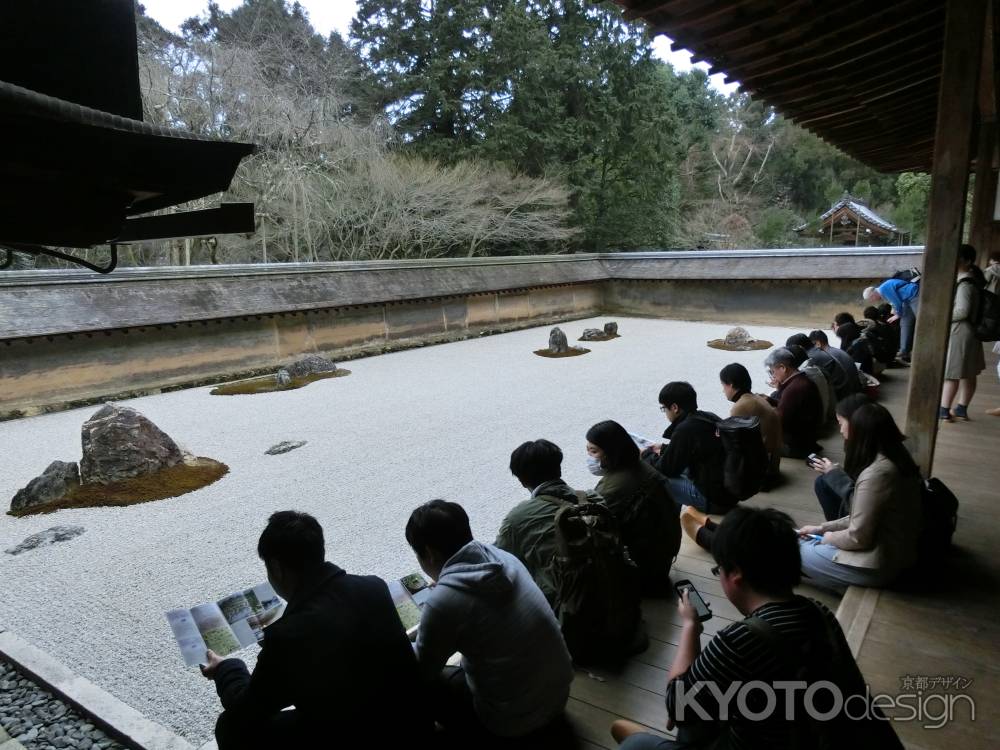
(515, 673)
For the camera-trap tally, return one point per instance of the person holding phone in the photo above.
(834, 486)
(876, 539)
(784, 637)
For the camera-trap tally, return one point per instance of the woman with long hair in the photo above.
(965, 350)
(877, 539)
(635, 494)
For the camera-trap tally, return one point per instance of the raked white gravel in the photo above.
(439, 421)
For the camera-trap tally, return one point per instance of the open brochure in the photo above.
(234, 622)
(643, 442)
(409, 594)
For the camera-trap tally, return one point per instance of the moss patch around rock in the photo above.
(574, 351)
(749, 346)
(267, 384)
(169, 482)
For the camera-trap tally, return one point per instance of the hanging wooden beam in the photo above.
(963, 40)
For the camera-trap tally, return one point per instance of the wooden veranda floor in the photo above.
(904, 641)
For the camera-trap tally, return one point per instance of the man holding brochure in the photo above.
(338, 655)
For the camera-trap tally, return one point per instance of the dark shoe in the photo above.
(944, 415)
(961, 412)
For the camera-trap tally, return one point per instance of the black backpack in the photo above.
(911, 274)
(940, 511)
(985, 316)
(988, 316)
(746, 461)
(598, 598)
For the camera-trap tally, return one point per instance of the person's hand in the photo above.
(827, 539)
(656, 448)
(212, 661)
(687, 612)
(822, 465)
(807, 531)
(892, 319)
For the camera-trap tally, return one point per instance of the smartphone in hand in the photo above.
(701, 608)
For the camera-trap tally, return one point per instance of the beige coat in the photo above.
(883, 527)
(754, 405)
(965, 351)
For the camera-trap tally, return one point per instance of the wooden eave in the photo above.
(861, 74)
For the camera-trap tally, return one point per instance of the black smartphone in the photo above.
(701, 608)
(811, 458)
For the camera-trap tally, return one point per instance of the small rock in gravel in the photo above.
(285, 446)
(47, 537)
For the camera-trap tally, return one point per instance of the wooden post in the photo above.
(984, 194)
(984, 191)
(962, 58)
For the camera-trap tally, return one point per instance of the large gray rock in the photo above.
(120, 443)
(557, 341)
(47, 537)
(592, 334)
(53, 484)
(611, 329)
(738, 336)
(311, 364)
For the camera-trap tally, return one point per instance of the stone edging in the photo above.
(119, 720)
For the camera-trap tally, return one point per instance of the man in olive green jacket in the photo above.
(529, 530)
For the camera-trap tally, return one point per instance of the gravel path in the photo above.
(40, 721)
(405, 427)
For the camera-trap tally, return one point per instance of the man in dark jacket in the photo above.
(339, 655)
(798, 403)
(693, 461)
(842, 382)
(529, 530)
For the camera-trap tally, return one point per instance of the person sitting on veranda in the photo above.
(529, 531)
(821, 341)
(839, 378)
(513, 682)
(883, 337)
(877, 539)
(339, 655)
(827, 398)
(833, 486)
(797, 402)
(784, 638)
(737, 385)
(693, 459)
(636, 495)
(861, 341)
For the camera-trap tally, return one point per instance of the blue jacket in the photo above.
(896, 292)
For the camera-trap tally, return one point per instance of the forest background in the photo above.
(484, 127)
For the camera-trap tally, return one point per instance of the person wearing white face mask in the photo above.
(635, 493)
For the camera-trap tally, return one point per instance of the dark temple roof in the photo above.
(861, 74)
(78, 160)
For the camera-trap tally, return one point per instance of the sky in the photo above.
(336, 15)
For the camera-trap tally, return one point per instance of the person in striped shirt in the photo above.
(715, 697)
